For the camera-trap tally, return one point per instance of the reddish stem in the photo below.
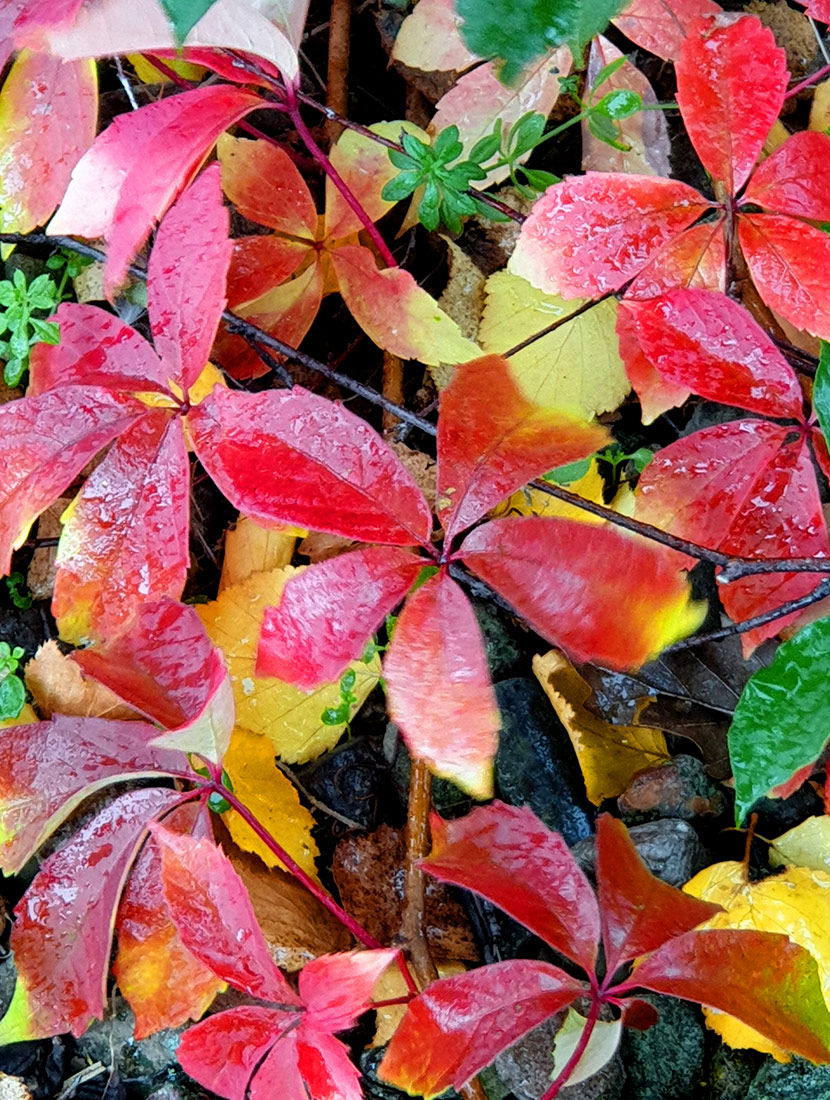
(579, 1050)
(796, 88)
(359, 933)
(348, 196)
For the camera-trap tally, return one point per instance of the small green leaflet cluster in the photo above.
(516, 32)
(19, 593)
(12, 689)
(19, 328)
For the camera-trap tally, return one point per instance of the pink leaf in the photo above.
(603, 595)
(590, 234)
(438, 687)
(125, 539)
(336, 989)
(186, 278)
(212, 911)
(731, 80)
(38, 466)
(139, 164)
(330, 611)
(707, 342)
(492, 440)
(458, 1025)
(61, 937)
(795, 179)
(505, 854)
(324, 1067)
(293, 457)
(661, 26)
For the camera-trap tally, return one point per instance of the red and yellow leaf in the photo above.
(329, 612)
(261, 263)
(731, 80)
(438, 687)
(590, 234)
(336, 989)
(430, 39)
(263, 183)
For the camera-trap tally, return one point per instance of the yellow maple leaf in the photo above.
(577, 368)
(609, 756)
(287, 716)
(794, 903)
(271, 796)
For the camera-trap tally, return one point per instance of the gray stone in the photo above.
(795, 1080)
(679, 788)
(670, 848)
(140, 1063)
(505, 645)
(731, 1073)
(536, 765)
(665, 1062)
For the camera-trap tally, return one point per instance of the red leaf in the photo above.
(48, 768)
(292, 457)
(731, 81)
(38, 466)
(709, 343)
(9, 12)
(661, 26)
(61, 937)
(458, 1025)
(125, 540)
(213, 914)
(336, 989)
(492, 440)
(259, 264)
(590, 234)
(697, 258)
(265, 186)
(787, 260)
(139, 164)
(96, 349)
(186, 278)
(639, 912)
(774, 984)
(164, 664)
(603, 595)
(36, 160)
(162, 982)
(656, 393)
(505, 854)
(324, 1067)
(795, 178)
(330, 611)
(224, 1052)
(438, 687)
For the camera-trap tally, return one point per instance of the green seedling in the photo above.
(19, 327)
(12, 688)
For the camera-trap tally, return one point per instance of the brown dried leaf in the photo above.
(58, 686)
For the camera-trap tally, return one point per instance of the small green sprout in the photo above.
(12, 689)
(19, 327)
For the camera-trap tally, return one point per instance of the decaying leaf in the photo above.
(609, 756)
(58, 686)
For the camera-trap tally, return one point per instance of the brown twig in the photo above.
(337, 92)
(417, 846)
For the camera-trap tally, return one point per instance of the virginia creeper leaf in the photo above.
(336, 989)
(138, 165)
(661, 26)
(40, 465)
(329, 612)
(782, 720)
(438, 687)
(592, 233)
(264, 184)
(185, 299)
(36, 160)
(309, 462)
(125, 536)
(731, 80)
(709, 343)
(212, 912)
(492, 440)
(697, 258)
(774, 984)
(458, 1025)
(793, 179)
(638, 912)
(61, 937)
(48, 768)
(505, 854)
(597, 593)
(395, 312)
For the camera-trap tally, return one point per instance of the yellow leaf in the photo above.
(820, 107)
(261, 786)
(26, 716)
(576, 369)
(534, 502)
(609, 756)
(601, 1048)
(794, 903)
(289, 717)
(251, 548)
(807, 845)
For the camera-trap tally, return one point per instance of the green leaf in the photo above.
(404, 161)
(401, 186)
(607, 71)
(7, 295)
(46, 332)
(602, 127)
(572, 471)
(13, 371)
(447, 146)
(782, 720)
(517, 31)
(12, 697)
(418, 150)
(594, 17)
(821, 390)
(485, 148)
(525, 134)
(620, 104)
(185, 14)
(540, 180)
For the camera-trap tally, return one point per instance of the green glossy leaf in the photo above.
(540, 180)
(782, 720)
(526, 134)
(620, 103)
(185, 14)
(12, 697)
(607, 71)
(821, 390)
(517, 31)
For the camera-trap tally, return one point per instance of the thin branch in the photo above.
(554, 325)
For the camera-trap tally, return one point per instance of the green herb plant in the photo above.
(12, 688)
